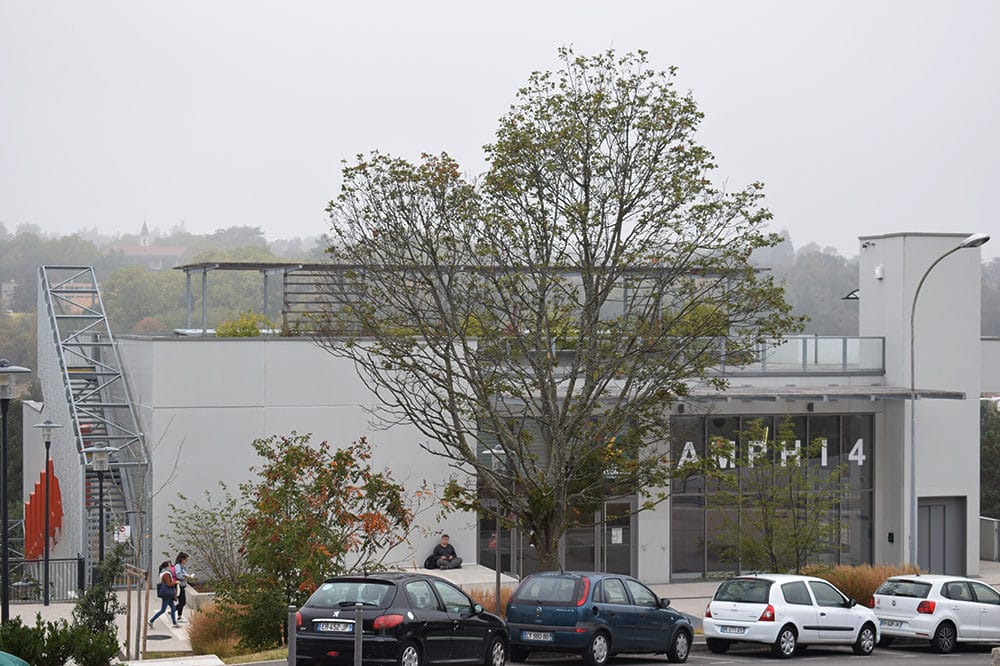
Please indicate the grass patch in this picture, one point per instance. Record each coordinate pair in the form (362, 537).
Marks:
(268, 655)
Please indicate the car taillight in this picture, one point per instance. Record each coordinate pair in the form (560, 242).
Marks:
(708, 609)
(387, 622)
(586, 590)
(298, 619)
(871, 601)
(926, 607)
(767, 615)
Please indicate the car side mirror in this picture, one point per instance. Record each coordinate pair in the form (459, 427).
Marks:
(664, 602)
(477, 609)
(851, 603)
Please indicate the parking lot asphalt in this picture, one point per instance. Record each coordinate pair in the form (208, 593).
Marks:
(688, 597)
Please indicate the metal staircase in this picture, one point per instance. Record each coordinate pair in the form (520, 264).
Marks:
(88, 370)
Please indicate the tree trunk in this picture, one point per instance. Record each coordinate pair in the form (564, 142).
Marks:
(547, 547)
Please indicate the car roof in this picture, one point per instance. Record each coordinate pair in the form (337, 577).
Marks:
(580, 574)
(776, 577)
(382, 576)
(931, 578)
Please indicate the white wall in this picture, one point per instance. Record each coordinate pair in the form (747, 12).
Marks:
(202, 401)
(947, 357)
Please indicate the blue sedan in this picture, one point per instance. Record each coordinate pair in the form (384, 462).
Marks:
(596, 615)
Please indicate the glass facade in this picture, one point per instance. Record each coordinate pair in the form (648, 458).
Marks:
(702, 510)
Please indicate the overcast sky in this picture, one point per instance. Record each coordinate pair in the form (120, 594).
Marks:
(860, 117)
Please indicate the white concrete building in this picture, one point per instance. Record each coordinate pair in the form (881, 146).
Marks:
(202, 400)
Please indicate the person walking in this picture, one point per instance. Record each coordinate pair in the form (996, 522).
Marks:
(181, 574)
(166, 589)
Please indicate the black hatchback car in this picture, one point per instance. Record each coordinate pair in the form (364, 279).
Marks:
(407, 619)
(595, 615)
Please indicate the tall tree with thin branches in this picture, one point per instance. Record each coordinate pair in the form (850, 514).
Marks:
(537, 324)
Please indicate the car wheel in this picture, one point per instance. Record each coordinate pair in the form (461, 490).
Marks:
(518, 653)
(784, 644)
(717, 645)
(599, 650)
(409, 655)
(944, 638)
(681, 648)
(865, 644)
(497, 654)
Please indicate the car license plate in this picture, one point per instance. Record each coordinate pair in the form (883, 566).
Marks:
(892, 624)
(335, 626)
(536, 635)
(724, 629)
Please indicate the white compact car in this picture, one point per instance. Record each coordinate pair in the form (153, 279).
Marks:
(788, 613)
(944, 610)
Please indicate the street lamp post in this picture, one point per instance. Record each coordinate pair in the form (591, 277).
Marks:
(975, 240)
(8, 377)
(100, 460)
(47, 427)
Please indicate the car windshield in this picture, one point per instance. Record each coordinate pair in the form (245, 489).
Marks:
(548, 591)
(347, 593)
(744, 590)
(917, 589)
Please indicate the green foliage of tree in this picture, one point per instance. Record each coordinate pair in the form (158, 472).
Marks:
(989, 463)
(246, 325)
(313, 512)
(21, 256)
(15, 458)
(781, 505)
(99, 605)
(815, 285)
(603, 272)
(135, 293)
(95, 612)
(212, 534)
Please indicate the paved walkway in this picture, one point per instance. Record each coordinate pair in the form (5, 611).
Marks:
(688, 597)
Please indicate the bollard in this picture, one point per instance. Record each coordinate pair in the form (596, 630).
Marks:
(358, 610)
(292, 625)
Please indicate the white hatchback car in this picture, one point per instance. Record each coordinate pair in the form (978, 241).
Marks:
(944, 610)
(788, 613)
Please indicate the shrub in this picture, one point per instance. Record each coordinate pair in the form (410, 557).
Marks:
(256, 613)
(94, 648)
(45, 644)
(22, 640)
(859, 582)
(96, 634)
(209, 633)
(245, 325)
(487, 598)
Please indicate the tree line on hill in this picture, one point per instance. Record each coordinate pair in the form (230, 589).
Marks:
(140, 300)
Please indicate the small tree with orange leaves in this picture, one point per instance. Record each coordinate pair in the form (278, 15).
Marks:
(311, 512)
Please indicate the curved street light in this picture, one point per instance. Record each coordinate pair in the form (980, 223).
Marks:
(975, 240)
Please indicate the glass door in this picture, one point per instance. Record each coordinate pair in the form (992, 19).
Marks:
(616, 542)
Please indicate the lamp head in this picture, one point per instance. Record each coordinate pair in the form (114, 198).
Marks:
(8, 379)
(975, 240)
(100, 457)
(46, 427)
